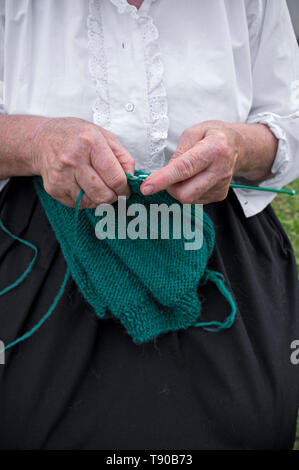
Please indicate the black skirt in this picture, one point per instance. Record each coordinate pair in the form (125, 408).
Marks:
(81, 383)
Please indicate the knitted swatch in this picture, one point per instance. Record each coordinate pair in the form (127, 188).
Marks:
(150, 285)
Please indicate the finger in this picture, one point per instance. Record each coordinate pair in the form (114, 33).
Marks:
(188, 139)
(68, 192)
(66, 200)
(109, 168)
(195, 188)
(216, 193)
(94, 187)
(87, 203)
(181, 168)
(59, 192)
(69, 201)
(123, 156)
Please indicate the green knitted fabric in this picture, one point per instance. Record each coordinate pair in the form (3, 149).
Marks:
(150, 285)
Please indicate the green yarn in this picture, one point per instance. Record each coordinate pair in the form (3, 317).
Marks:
(44, 318)
(21, 279)
(149, 285)
(30, 266)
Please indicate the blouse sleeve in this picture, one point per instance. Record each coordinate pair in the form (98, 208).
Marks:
(2, 23)
(275, 79)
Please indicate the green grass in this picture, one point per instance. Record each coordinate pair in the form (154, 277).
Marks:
(287, 210)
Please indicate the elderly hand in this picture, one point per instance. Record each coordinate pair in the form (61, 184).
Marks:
(208, 155)
(72, 154)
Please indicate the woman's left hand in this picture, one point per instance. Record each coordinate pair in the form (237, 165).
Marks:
(208, 155)
(201, 169)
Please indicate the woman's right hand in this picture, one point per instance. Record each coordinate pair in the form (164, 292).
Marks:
(72, 154)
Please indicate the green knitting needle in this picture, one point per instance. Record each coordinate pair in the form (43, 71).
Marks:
(291, 192)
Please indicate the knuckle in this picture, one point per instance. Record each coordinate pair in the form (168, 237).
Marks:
(66, 160)
(177, 153)
(117, 181)
(101, 197)
(108, 198)
(90, 205)
(221, 195)
(87, 136)
(184, 196)
(184, 167)
(86, 203)
(95, 197)
(222, 146)
(187, 199)
(130, 159)
(125, 159)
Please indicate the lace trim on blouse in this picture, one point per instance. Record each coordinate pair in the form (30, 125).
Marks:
(98, 65)
(157, 98)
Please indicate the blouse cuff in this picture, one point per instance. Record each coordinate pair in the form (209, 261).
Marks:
(253, 202)
(282, 157)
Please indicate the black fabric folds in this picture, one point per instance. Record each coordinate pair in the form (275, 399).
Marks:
(81, 383)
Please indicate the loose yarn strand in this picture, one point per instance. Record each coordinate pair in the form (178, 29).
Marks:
(44, 318)
(31, 264)
(36, 327)
(218, 280)
(28, 270)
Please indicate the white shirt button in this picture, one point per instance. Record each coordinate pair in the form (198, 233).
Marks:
(130, 107)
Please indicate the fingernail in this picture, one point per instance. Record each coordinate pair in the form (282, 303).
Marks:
(148, 189)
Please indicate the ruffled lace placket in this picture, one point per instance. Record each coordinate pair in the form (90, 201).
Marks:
(156, 92)
(98, 65)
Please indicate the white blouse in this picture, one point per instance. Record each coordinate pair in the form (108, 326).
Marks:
(148, 74)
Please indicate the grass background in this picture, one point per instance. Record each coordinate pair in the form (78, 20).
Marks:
(287, 210)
